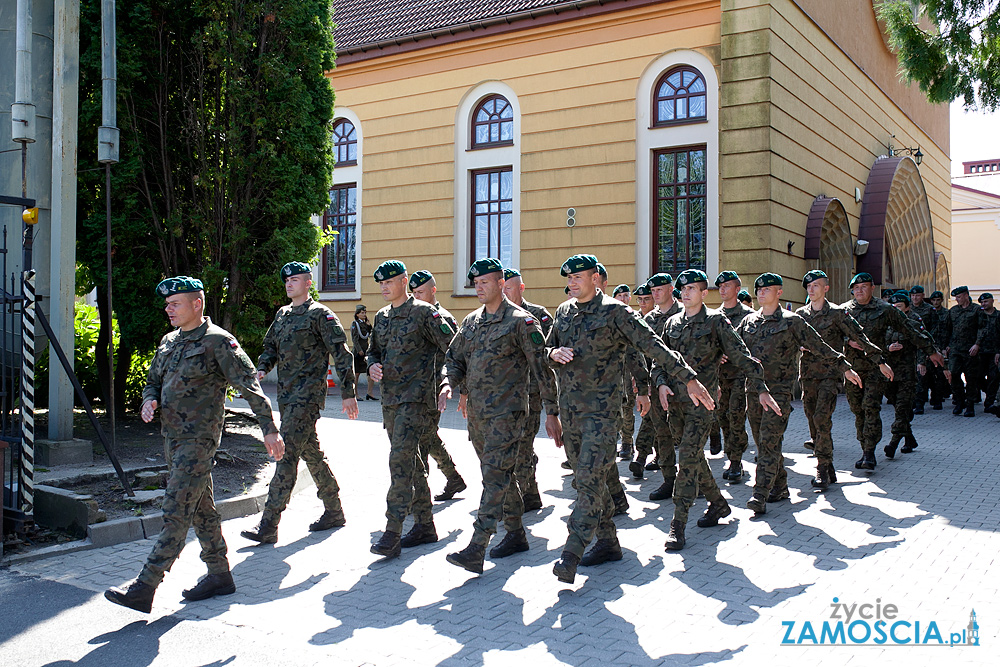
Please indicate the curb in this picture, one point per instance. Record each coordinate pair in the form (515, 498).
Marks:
(134, 528)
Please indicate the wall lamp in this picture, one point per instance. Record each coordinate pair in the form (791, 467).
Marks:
(915, 153)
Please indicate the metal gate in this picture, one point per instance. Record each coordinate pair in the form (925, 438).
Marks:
(10, 393)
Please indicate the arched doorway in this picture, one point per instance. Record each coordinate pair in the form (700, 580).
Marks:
(942, 276)
(896, 222)
(830, 246)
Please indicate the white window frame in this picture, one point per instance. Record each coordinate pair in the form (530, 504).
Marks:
(342, 176)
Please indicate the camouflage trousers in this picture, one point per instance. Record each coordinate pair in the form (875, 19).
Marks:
(497, 441)
(866, 404)
(819, 400)
(664, 439)
(524, 469)
(693, 473)
(963, 393)
(406, 424)
(298, 430)
(188, 502)
(590, 446)
(905, 384)
(732, 416)
(645, 439)
(768, 430)
(431, 445)
(628, 419)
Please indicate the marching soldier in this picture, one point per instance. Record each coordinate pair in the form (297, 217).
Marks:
(989, 347)
(299, 342)
(903, 356)
(925, 311)
(940, 388)
(732, 383)
(406, 337)
(490, 357)
(624, 294)
(187, 381)
(645, 439)
(745, 298)
(963, 328)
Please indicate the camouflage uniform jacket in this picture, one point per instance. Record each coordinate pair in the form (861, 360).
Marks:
(834, 324)
(599, 332)
(929, 317)
(903, 360)
(937, 327)
(544, 319)
(989, 335)
(405, 340)
(736, 314)
(300, 342)
(875, 318)
(189, 376)
(775, 340)
(657, 319)
(963, 327)
(702, 340)
(491, 355)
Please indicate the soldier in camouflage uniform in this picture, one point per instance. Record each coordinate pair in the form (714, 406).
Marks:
(940, 383)
(187, 381)
(406, 337)
(489, 358)
(774, 336)
(989, 347)
(905, 358)
(875, 317)
(645, 439)
(424, 288)
(624, 294)
(702, 337)
(925, 311)
(585, 347)
(732, 383)
(963, 327)
(524, 471)
(821, 380)
(300, 341)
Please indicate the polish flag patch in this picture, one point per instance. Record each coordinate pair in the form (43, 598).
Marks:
(529, 321)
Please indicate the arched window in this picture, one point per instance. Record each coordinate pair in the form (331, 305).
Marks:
(345, 143)
(680, 97)
(493, 123)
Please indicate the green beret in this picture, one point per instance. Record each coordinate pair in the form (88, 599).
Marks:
(961, 289)
(621, 288)
(901, 296)
(692, 276)
(886, 293)
(359, 308)
(419, 278)
(179, 285)
(917, 289)
(389, 269)
(660, 280)
(642, 290)
(815, 274)
(676, 293)
(744, 296)
(985, 295)
(578, 263)
(862, 277)
(768, 280)
(511, 273)
(726, 276)
(294, 269)
(481, 267)
(601, 270)
(936, 295)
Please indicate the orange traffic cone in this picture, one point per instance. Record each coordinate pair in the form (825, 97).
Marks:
(330, 383)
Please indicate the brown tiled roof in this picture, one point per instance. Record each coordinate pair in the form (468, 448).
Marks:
(366, 22)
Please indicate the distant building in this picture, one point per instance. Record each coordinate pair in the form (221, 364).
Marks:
(975, 219)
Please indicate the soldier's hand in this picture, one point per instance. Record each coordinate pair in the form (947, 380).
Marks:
(947, 375)
(554, 428)
(642, 404)
(148, 409)
(463, 405)
(663, 393)
(922, 369)
(937, 360)
(275, 446)
(768, 403)
(375, 372)
(895, 347)
(700, 395)
(886, 371)
(974, 350)
(443, 397)
(350, 408)
(724, 359)
(852, 377)
(260, 375)
(856, 345)
(996, 360)
(562, 355)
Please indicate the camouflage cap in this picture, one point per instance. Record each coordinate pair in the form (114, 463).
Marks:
(642, 290)
(984, 296)
(900, 296)
(511, 273)
(815, 274)
(418, 278)
(677, 293)
(691, 276)
(389, 269)
(936, 295)
(578, 263)
(886, 293)
(961, 289)
(768, 280)
(621, 288)
(863, 277)
(726, 276)
(179, 285)
(294, 269)
(660, 280)
(601, 270)
(744, 296)
(482, 267)
(917, 289)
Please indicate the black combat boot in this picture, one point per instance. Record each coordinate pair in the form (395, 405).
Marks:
(532, 502)
(918, 409)
(565, 568)
(910, 443)
(675, 538)
(330, 519)
(936, 406)
(621, 503)
(471, 558)
(565, 465)
(636, 467)
(809, 444)
(211, 585)
(832, 472)
(625, 453)
(866, 462)
(715, 511)
(993, 410)
(136, 595)
(758, 504)
(734, 472)
(387, 545)
(777, 495)
(514, 542)
(890, 449)
(957, 410)
(603, 551)
(664, 491)
(970, 410)
(822, 479)
(653, 465)
(454, 485)
(421, 533)
(714, 442)
(265, 532)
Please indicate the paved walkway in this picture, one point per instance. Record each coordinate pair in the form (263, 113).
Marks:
(920, 533)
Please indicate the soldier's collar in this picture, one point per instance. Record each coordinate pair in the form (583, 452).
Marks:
(402, 309)
(302, 306)
(697, 317)
(198, 332)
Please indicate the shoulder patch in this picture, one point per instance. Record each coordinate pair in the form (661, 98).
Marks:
(536, 338)
(233, 344)
(529, 321)
(445, 328)
(629, 309)
(435, 314)
(330, 317)
(545, 318)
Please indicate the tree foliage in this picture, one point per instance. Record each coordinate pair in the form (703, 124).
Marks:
(960, 59)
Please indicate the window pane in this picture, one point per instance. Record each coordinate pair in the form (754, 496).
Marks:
(680, 96)
(680, 222)
(493, 122)
(493, 202)
(666, 170)
(696, 106)
(340, 255)
(666, 111)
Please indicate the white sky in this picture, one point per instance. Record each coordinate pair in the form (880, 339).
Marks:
(974, 136)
